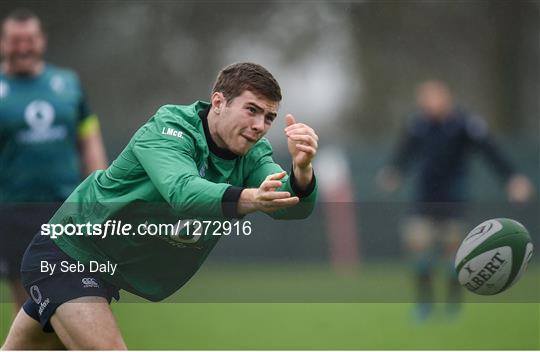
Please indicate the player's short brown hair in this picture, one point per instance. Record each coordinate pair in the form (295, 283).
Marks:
(234, 79)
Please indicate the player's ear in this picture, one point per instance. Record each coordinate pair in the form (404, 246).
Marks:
(218, 102)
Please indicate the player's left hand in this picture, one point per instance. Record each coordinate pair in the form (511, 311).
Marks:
(302, 142)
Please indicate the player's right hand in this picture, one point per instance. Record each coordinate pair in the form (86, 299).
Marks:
(269, 199)
(266, 198)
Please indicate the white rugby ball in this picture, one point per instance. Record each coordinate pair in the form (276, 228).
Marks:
(493, 256)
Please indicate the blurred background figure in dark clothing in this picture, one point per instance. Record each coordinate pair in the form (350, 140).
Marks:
(437, 142)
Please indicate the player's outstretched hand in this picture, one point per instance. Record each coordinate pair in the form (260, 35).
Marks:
(266, 198)
(302, 142)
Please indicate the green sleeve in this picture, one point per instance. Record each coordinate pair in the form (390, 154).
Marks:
(264, 165)
(169, 161)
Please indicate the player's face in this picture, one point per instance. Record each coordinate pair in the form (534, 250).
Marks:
(434, 100)
(244, 120)
(22, 45)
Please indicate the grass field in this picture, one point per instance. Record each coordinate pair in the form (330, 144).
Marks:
(317, 325)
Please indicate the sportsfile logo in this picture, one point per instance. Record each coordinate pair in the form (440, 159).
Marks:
(485, 273)
(89, 282)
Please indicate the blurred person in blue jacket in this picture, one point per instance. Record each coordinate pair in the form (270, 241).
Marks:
(437, 142)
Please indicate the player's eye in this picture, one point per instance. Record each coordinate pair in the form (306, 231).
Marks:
(268, 120)
(252, 109)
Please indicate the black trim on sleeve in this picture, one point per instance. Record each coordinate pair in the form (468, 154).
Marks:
(296, 188)
(229, 202)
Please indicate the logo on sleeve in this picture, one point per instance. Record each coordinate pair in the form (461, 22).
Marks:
(202, 170)
(171, 132)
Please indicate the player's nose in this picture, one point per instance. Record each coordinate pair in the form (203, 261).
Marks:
(258, 123)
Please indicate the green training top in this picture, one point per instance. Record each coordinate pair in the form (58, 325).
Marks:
(40, 120)
(170, 170)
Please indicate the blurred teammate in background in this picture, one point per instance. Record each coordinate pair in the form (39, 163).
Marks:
(439, 140)
(48, 139)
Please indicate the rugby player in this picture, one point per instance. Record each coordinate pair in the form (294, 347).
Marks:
(49, 140)
(207, 160)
